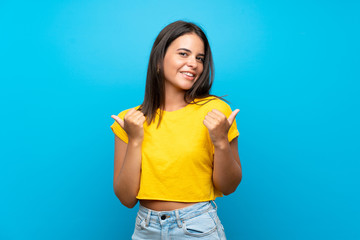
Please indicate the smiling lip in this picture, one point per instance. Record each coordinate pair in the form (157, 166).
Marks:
(193, 73)
(188, 77)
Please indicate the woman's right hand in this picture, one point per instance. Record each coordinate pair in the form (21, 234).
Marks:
(132, 124)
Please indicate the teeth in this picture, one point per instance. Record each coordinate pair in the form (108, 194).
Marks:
(189, 74)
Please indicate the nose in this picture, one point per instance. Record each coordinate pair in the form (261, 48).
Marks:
(192, 62)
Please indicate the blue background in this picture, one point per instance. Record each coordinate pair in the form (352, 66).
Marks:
(292, 68)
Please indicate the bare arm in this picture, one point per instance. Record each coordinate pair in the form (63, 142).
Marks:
(127, 158)
(227, 171)
(127, 168)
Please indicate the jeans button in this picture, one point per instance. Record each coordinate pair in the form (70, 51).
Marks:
(163, 217)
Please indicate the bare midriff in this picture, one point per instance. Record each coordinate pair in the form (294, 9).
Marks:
(158, 205)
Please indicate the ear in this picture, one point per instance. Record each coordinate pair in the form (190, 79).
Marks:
(158, 64)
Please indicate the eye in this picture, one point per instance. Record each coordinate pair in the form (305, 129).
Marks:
(199, 58)
(202, 59)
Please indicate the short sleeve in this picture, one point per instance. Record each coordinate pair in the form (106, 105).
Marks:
(226, 110)
(118, 130)
(233, 131)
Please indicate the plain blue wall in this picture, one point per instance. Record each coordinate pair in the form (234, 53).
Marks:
(291, 67)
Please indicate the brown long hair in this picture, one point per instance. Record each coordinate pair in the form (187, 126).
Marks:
(155, 82)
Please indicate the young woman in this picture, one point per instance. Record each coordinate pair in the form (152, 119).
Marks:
(178, 150)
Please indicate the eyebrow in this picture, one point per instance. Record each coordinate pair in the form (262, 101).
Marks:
(187, 50)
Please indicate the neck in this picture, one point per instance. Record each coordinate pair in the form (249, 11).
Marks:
(174, 99)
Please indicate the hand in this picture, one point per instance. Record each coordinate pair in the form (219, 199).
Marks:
(132, 124)
(218, 125)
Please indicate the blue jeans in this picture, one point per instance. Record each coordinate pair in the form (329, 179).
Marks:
(198, 221)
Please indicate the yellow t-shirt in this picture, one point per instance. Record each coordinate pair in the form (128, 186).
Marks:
(177, 157)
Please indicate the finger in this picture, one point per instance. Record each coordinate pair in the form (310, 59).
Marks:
(210, 118)
(217, 112)
(140, 118)
(130, 112)
(215, 115)
(232, 116)
(132, 115)
(135, 113)
(207, 123)
(138, 113)
(118, 120)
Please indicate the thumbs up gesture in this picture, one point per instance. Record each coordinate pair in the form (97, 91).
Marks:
(132, 124)
(218, 125)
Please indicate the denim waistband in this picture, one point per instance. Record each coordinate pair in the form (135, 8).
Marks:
(176, 215)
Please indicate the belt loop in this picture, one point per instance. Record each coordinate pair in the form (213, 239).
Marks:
(214, 204)
(178, 218)
(148, 218)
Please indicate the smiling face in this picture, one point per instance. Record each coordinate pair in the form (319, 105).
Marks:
(183, 62)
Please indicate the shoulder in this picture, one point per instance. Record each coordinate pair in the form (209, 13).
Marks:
(210, 103)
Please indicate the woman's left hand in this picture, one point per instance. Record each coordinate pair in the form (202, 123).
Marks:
(218, 125)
